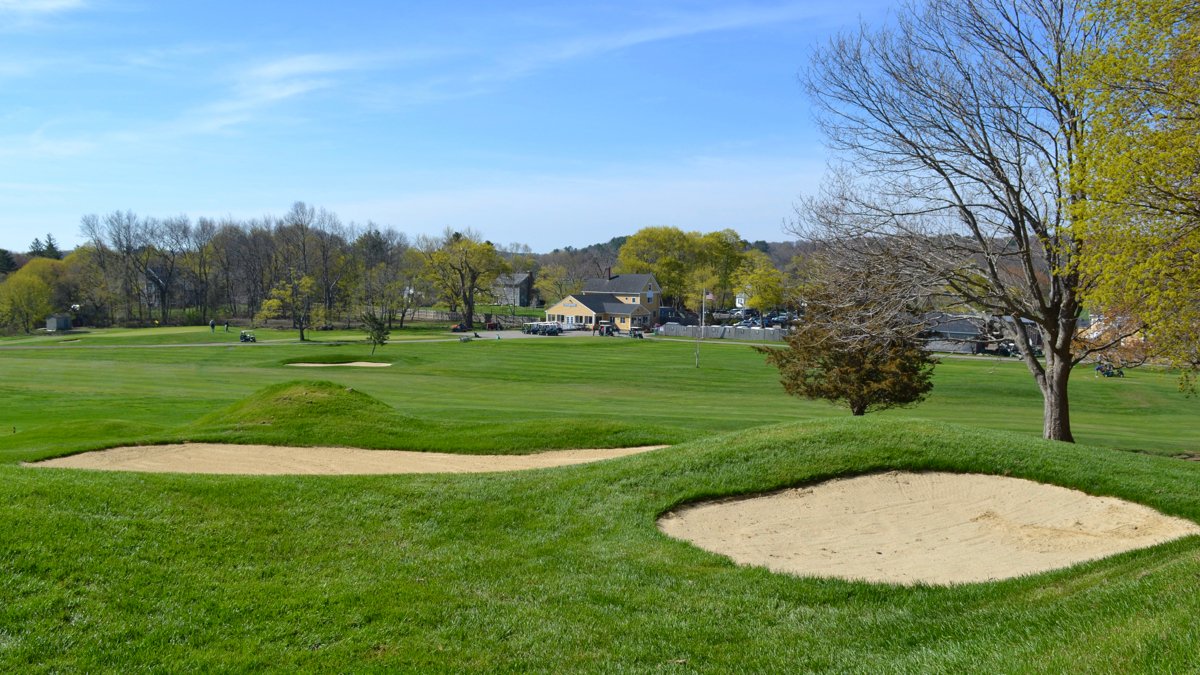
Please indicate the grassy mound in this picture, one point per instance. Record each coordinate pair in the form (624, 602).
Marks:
(301, 412)
(313, 412)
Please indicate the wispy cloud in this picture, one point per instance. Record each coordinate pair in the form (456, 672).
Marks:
(507, 63)
(263, 85)
(39, 6)
(39, 146)
(670, 27)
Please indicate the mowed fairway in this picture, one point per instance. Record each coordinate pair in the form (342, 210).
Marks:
(551, 570)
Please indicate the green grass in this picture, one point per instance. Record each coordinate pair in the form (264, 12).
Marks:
(562, 569)
(546, 570)
(537, 393)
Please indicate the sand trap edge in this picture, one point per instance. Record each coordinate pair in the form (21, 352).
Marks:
(261, 460)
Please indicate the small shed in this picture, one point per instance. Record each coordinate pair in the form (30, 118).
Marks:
(58, 322)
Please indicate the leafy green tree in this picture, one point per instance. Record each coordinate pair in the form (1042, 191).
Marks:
(668, 253)
(555, 282)
(32, 293)
(24, 301)
(719, 256)
(761, 281)
(462, 268)
(1142, 221)
(96, 292)
(295, 297)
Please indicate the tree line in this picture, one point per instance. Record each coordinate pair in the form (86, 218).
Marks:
(308, 268)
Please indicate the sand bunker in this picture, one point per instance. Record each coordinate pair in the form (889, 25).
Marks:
(935, 528)
(276, 460)
(348, 364)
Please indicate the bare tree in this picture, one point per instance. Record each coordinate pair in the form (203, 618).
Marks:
(200, 263)
(331, 264)
(957, 135)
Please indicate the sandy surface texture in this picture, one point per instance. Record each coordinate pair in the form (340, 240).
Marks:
(350, 364)
(935, 528)
(276, 460)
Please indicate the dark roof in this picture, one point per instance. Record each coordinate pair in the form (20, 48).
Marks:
(956, 325)
(594, 301)
(512, 279)
(620, 283)
(623, 308)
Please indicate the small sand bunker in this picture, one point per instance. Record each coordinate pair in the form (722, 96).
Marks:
(935, 528)
(277, 460)
(348, 364)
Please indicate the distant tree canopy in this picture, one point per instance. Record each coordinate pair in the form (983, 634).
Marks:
(7, 263)
(462, 268)
(690, 264)
(30, 294)
(556, 281)
(305, 267)
(49, 249)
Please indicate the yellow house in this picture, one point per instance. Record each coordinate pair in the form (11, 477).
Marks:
(626, 300)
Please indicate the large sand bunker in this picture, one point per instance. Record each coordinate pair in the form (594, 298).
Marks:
(277, 460)
(346, 364)
(936, 528)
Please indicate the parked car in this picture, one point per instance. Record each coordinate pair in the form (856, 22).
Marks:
(781, 319)
(681, 317)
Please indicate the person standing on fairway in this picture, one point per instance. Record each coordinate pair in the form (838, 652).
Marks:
(212, 325)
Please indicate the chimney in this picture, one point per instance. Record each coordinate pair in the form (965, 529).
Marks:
(608, 272)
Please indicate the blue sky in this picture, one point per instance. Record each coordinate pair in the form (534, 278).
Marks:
(543, 123)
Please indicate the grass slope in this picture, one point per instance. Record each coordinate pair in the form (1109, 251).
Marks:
(323, 413)
(561, 569)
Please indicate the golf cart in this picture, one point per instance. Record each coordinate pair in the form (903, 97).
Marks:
(247, 336)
